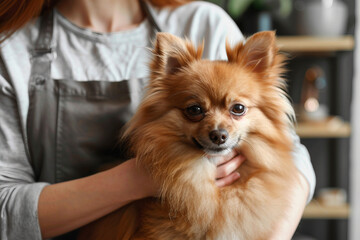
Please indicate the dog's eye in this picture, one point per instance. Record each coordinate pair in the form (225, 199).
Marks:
(194, 113)
(238, 109)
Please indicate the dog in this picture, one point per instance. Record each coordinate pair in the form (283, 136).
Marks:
(195, 108)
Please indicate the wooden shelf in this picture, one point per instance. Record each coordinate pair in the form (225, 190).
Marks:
(315, 210)
(315, 44)
(333, 127)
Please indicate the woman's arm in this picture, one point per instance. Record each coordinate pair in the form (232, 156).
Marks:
(18, 191)
(32, 210)
(66, 206)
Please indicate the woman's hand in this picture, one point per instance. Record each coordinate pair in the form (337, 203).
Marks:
(226, 166)
(225, 173)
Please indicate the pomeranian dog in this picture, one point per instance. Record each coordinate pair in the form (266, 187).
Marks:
(196, 108)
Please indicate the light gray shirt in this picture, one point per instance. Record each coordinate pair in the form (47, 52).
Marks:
(85, 55)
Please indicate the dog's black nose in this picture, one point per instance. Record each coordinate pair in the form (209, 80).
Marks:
(219, 136)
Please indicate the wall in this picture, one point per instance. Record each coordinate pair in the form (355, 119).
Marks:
(354, 226)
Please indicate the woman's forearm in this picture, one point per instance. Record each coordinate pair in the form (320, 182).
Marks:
(69, 205)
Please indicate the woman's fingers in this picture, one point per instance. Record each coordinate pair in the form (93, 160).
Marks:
(223, 159)
(228, 180)
(227, 168)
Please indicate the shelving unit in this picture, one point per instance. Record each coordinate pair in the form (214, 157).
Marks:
(315, 210)
(315, 44)
(331, 128)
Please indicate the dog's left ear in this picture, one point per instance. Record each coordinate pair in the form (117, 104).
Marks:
(257, 53)
(171, 53)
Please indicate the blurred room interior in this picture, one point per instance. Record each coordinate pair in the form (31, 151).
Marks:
(319, 36)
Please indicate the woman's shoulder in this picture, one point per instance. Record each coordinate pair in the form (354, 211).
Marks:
(15, 54)
(24, 37)
(201, 9)
(198, 21)
(21, 42)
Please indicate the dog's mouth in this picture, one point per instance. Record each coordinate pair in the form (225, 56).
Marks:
(213, 149)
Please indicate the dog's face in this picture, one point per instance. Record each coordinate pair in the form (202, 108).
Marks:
(214, 105)
(216, 101)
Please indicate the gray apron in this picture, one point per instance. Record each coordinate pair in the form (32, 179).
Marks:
(73, 127)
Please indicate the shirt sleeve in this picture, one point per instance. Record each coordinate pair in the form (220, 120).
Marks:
(302, 161)
(18, 192)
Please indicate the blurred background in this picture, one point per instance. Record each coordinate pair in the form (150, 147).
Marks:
(319, 37)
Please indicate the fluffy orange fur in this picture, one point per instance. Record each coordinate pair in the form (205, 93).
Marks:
(173, 143)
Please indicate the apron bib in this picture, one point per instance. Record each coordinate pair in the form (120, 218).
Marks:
(73, 127)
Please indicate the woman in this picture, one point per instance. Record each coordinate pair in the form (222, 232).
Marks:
(63, 99)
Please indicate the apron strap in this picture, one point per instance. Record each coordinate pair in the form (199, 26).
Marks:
(150, 14)
(43, 43)
(43, 52)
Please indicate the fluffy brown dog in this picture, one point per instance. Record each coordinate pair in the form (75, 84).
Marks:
(194, 108)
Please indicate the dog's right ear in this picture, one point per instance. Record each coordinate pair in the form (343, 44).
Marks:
(258, 53)
(171, 53)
